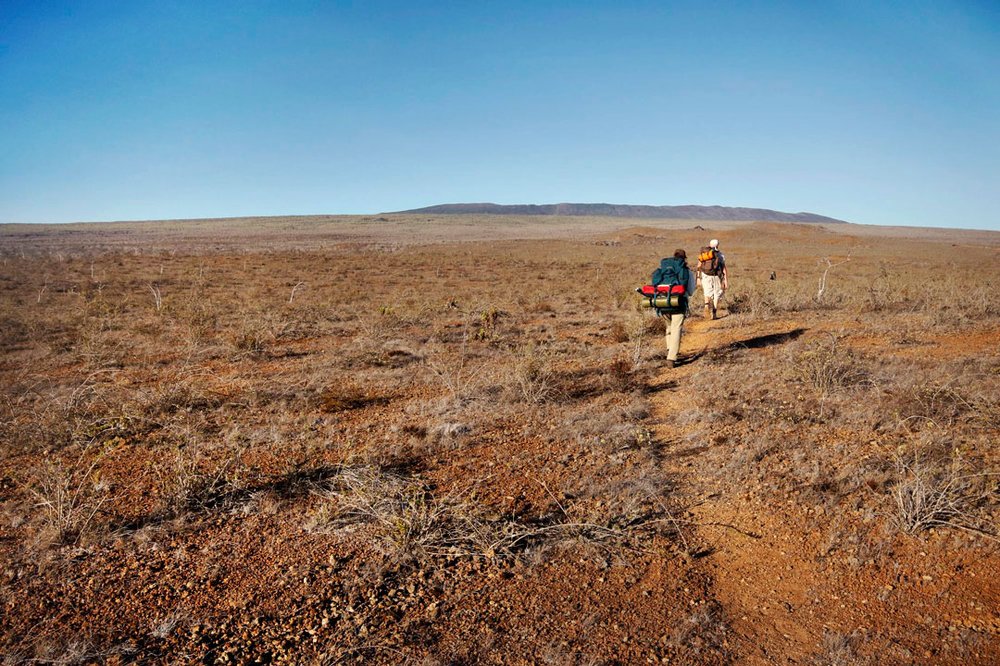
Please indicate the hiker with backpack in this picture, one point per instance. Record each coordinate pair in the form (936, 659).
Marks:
(680, 280)
(713, 276)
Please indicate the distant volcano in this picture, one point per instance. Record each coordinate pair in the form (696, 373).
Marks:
(717, 213)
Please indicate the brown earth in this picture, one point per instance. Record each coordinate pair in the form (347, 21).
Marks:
(345, 440)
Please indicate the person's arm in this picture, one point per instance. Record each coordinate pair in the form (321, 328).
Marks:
(692, 282)
(725, 278)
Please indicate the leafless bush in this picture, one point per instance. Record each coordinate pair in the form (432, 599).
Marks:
(454, 371)
(408, 524)
(621, 375)
(827, 367)
(532, 378)
(154, 289)
(374, 329)
(888, 292)
(623, 436)
(14, 333)
(942, 493)
(440, 423)
(256, 331)
(827, 265)
(751, 302)
(839, 650)
(919, 403)
(750, 450)
(450, 432)
(400, 515)
(618, 332)
(68, 498)
(192, 481)
(164, 626)
(621, 504)
(761, 301)
(609, 426)
(703, 632)
(959, 304)
(67, 651)
(178, 394)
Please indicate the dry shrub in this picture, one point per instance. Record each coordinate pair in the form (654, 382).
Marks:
(255, 332)
(456, 372)
(399, 514)
(408, 524)
(36, 418)
(441, 424)
(172, 395)
(750, 302)
(941, 491)
(959, 395)
(704, 633)
(976, 303)
(958, 304)
(98, 348)
(193, 481)
(68, 650)
(749, 451)
(640, 499)
(68, 499)
(655, 326)
(608, 425)
(618, 332)
(531, 377)
(828, 367)
(14, 334)
(839, 650)
(919, 403)
(890, 292)
(375, 329)
(389, 354)
(624, 436)
(621, 375)
(541, 307)
(201, 319)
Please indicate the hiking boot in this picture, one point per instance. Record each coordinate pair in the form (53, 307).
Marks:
(713, 313)
(708, 312)
(670, 363)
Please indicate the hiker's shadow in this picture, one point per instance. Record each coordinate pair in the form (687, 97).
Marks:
(762, 341)
(756, 342)
(686, 359)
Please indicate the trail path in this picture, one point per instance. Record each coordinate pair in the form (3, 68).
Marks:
(760, 576)
(788, 584)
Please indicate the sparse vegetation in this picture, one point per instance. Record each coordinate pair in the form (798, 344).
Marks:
(213, 453)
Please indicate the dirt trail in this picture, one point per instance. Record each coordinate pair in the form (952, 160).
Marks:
(760, 580)
(782, 598)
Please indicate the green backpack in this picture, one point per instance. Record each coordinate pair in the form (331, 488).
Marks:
(672, 271)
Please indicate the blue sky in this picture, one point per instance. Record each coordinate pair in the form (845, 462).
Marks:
(880, 113)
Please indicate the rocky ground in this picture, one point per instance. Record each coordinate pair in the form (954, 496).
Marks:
(238, 454)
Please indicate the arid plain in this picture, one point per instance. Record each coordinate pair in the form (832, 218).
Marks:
(450, 440)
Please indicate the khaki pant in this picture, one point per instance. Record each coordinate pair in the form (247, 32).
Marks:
(711, 286)
(674, 336)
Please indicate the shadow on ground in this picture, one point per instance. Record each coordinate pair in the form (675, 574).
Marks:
(757, 342)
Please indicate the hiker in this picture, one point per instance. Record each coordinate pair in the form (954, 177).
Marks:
(713, 276)
(674, 271)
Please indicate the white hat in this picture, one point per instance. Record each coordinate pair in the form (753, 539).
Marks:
(714, 242)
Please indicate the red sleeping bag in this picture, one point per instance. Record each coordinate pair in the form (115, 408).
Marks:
(650, 290)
